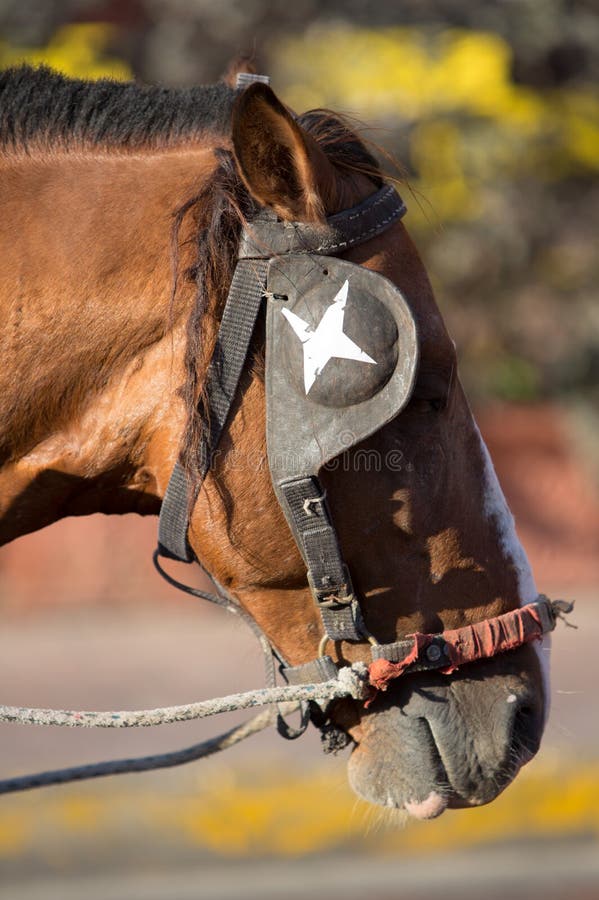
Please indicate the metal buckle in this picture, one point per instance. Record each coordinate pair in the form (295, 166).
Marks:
(333, 596)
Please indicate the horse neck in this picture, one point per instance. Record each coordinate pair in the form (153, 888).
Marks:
(89, 411)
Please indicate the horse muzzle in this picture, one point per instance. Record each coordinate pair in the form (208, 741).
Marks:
(437, 741)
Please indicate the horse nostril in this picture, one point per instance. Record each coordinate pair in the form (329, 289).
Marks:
(526, 732)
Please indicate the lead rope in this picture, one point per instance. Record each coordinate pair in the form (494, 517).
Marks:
(351, 682)
(463, 645)
(140, 763)
(295, 698)
(222, 599)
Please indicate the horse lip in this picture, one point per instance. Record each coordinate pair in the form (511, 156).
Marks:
(429, 808)
(434, 798)
(458, 800)
(450, 778)
(444, 794)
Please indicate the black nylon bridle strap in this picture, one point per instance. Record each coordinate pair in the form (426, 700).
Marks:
(224, 372)
(328, 576)
(262, 240)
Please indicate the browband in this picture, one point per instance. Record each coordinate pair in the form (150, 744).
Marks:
(266, 236)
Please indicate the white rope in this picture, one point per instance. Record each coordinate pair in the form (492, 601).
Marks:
(141, 763)
(352, 681)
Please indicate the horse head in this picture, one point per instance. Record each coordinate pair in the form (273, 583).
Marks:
(422, 522)
(98, 342)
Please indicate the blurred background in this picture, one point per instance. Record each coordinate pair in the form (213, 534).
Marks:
(493, 111)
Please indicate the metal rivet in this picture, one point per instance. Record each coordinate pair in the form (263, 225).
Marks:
(433, 653)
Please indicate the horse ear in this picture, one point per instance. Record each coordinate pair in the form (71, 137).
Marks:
(281, 165)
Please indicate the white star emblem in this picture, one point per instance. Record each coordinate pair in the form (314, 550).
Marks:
(327, 341)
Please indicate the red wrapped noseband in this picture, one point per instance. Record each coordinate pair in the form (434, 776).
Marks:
(450, 649)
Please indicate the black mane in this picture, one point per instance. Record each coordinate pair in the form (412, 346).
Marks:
(41, 107)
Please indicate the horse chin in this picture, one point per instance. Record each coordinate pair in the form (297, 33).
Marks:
(399, 765)
(446, 746)
(396, 765)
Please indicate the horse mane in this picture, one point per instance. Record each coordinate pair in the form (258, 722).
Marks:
(222, 208)
(40, 108)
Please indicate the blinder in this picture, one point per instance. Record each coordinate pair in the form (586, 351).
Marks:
(341, 357)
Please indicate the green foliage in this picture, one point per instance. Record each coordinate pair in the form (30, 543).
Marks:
(512, 378)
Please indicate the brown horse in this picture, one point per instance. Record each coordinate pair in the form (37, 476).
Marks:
(104, 353)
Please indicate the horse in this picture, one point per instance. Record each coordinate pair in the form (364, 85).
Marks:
(122, 213)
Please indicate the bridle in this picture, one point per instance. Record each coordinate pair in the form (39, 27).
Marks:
(293, 269)
(279, 263)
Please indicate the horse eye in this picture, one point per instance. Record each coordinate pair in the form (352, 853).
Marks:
(435, 404)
